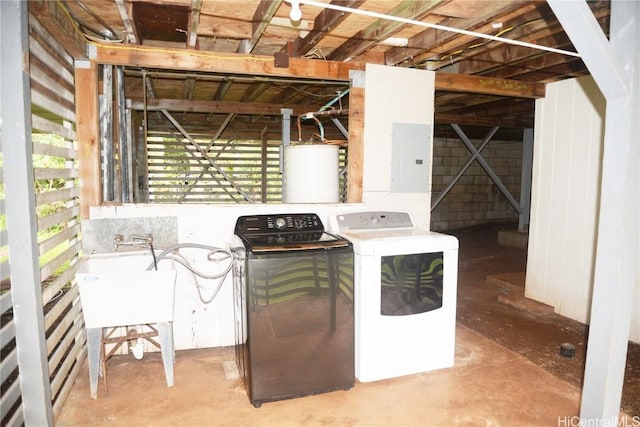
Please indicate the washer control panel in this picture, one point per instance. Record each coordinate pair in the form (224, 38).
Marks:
(294, 222)
(282, 223)
(373, 220)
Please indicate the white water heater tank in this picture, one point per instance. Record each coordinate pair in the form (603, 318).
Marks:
(311, 174)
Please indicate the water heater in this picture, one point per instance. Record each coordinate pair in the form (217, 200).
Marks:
(311, 174)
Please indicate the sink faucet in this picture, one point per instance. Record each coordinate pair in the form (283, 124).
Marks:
(136, 240)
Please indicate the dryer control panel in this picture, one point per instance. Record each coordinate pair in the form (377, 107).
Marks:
(374, 220)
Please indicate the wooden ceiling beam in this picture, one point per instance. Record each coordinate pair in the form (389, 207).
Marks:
(382, 29)
(488, 85)
(192, 36)
(530, 28)
(460, 103)
(521, 60)
(512, 112)
(323, 24)
(515, 26)
(261, 19)
(52, 17)
(211, 62)
(429, 39)
(125, 16)
(255, 90)
(290, 92)
(493, 61)
(536, 65)
(222, 90)
(189, 85)
(494, 108)
(185, 59)
(551, 73)
(441, 118)
(222, 107)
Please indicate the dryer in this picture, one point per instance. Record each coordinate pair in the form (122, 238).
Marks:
(405, 287)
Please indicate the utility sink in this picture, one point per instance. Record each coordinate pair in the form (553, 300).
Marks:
(116, 289)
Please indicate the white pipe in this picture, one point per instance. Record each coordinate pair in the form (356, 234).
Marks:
(435, 26)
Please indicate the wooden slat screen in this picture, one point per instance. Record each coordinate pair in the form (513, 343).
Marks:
(57, 207)
(231, 172)
(179, 173)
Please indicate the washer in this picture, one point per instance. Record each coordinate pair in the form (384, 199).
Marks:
(293, 303)
(405, 294)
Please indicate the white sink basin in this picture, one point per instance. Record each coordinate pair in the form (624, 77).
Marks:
(116, 289)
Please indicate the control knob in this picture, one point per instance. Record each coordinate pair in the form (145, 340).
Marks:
(280, 223)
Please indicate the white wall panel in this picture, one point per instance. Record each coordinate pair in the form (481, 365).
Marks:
(566, 176)
(395, 95)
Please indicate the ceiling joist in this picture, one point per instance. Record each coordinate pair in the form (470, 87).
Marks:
(488, 56)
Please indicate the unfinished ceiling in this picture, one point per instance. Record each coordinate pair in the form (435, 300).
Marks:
(241, 103)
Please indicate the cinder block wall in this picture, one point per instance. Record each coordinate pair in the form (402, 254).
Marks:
(474, 199)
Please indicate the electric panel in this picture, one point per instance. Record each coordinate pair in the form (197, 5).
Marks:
(411, 158)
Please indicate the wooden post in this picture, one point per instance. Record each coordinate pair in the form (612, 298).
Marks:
(86, 76)
(355, 154)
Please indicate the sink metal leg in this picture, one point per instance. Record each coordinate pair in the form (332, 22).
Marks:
(165, 333)
(94, 349)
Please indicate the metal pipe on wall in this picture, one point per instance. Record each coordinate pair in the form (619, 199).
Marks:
(124, 151)
(286, 134)
(106, 132)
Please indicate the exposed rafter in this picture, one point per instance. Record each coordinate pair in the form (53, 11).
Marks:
(192, 37)
(326, 20)
(381, 29)
(516, 46)
(428, 43)
(261, 18)
(126, 21)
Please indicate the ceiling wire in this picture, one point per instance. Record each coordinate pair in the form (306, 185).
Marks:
(434, 26)
(458, 52)
(108, 33)
(107, 36)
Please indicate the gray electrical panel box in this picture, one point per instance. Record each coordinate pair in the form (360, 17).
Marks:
(410, 158)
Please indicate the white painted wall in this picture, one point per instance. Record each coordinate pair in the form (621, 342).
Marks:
(395, 95)
(567, 164)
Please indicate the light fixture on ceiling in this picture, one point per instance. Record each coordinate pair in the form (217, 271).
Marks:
(296, 14)
(395, 41)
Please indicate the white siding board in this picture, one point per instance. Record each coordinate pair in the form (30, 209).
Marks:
(566, 174)
(586, 186)
(537, 266)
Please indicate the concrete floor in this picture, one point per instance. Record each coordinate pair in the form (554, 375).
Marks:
(507, 371)
(491, 302)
